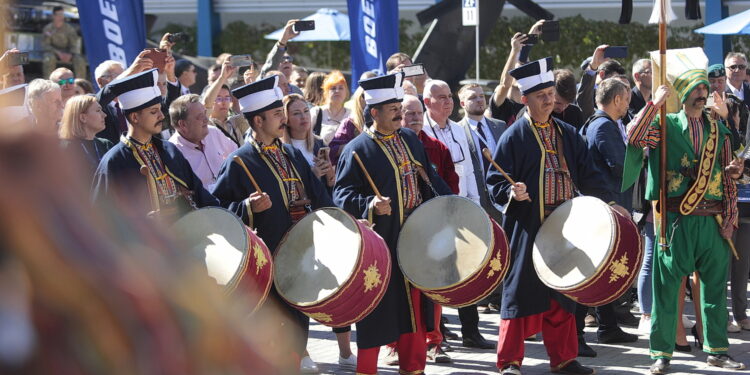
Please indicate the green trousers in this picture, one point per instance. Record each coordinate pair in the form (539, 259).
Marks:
(697, 245)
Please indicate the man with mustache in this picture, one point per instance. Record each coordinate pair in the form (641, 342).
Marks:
(701, 192)
(290, 190)
(399, 167)
(177, 187)
(549, 162)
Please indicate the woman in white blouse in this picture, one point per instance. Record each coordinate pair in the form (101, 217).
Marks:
(327, 118)
(299, 134)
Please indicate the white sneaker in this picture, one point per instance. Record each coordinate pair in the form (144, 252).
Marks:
(744, 324)
(307, 366)
(687, 323)
(350, 363)
(644, 325)
(732, 327)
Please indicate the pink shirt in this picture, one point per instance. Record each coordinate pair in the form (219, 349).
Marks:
(206, 162)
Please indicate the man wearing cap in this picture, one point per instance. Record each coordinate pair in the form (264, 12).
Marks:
(701, 194)
(717, 77)
(290, 190)
(529, 306)
(174, 183)
(399, 167)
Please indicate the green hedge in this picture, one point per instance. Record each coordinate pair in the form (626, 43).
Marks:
(579, 38)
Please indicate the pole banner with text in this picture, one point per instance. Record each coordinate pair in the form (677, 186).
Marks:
(112, 30)
(374, 35)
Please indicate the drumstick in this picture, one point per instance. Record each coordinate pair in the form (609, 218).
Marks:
(239, 161)
(369, 179)
(488, 156)
(152, 194)
(720, 221)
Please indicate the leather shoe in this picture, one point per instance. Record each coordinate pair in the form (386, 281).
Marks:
(447, 333)
(446, 346)
(626, 318)
(584, 350)
(616, 336)
(660, 366)
(435, 353)
(477, 341)
(724, 361)
(575, 368)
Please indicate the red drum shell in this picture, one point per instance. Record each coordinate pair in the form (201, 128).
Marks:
(480, 281)
(216, 234)
(354, 298)
(620, 266)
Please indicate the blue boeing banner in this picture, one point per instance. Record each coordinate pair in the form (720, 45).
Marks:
(112, 30)
(374, 35)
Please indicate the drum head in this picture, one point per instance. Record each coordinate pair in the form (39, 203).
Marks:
(317, 256)
(444, 242)
(574, 242)
(218, 238)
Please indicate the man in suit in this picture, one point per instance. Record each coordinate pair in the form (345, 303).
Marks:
(481, 132)
(641, 93)
(736, 65)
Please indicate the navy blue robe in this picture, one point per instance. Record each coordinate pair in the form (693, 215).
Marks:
(521, 156)
(119, 170)
(394, 315)
(233, 187)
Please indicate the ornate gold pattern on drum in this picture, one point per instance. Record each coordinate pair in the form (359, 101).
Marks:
(372, 277)
(260, 258)
(619, 268)
(587, 251)
(321, 317)
(327, 262)
(452, 251)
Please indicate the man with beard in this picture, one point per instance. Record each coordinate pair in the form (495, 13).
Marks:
(440, 159)
(701, 207)
(482, 132)
(290, 190)
(399, 167)
(177, 188)
(641, 93)
(549, 162)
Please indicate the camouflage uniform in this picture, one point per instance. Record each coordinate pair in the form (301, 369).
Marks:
(63, 39)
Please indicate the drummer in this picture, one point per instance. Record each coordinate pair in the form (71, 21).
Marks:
(533, 141)
(289, 188)
(177, 187)
(398, 165)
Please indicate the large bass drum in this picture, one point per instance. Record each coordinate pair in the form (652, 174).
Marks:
(234, 256)
(453, 251)
(588, 251)
(332, 267)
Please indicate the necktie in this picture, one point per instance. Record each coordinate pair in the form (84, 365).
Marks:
(482, 146)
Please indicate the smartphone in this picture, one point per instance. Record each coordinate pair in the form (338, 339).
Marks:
(241, 60)
(413, 70)
(303, 26)
(616, 52)
(551, 31)
(531, 39)
(15, 59)
(324, 152)
(177, 37)
(710, 101)
(158, 57)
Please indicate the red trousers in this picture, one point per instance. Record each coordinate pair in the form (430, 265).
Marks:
(411, 347)
(434, 336)
(558, 329)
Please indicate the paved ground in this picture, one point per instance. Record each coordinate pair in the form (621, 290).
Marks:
(612, 359)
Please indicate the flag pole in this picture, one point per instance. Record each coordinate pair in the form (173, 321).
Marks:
(663, 126)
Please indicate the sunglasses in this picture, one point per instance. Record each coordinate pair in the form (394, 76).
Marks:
(68, 81)
(287, 59)
(224, 99)
(737, 67)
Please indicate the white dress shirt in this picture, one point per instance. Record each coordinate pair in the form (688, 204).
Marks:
(488, 140)
(206, 162)
(453, 136)
(738, 92)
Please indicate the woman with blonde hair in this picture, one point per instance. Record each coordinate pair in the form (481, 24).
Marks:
(351, 127)
(82, 119)
(298, 133)
(328, 117)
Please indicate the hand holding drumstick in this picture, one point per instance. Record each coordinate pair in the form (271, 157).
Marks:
(517, 189)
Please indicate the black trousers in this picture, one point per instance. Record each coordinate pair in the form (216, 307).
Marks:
(469, 317)
(604, 314)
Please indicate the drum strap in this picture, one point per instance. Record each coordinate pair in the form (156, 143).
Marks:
(561, 158)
